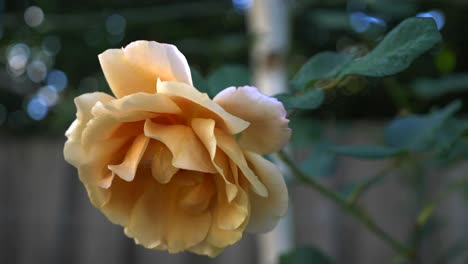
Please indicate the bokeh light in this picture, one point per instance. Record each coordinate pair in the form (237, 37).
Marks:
(17, 57)
(446, 60)
(58, 79)
(437, 15)
(115, 24)
(37, 108)
(36, 71)
(360, 21)
(49, 95)
(33, 16)
(51, 45)
(242, 5)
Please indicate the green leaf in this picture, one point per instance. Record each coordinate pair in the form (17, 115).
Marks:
(227, 76)
(367, 151)
(417, 132)
(305, 255)
(311, 99)
(450, 134)
(322, 65)
(305, 130)
(430, 88)
(199, 82)
(398, 49)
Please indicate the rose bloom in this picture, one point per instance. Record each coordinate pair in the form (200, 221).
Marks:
(178, 170)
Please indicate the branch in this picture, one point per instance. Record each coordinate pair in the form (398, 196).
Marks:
(351, 209)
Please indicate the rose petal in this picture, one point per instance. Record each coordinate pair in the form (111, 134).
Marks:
(161, 162)
(268, 131)
(109, 116)
(157, 221)
(136, 107)
(218, 238)
(230, 216)
(137, 67)
(127, 169)
(187, 150)
(229, 146)
(123, 196)
(204, 129)
(266, 211)
(232, 123)
(98, 196)
(206, 249)
(196, 197)
(72, 150)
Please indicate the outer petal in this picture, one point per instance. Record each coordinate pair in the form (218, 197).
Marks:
(266, 211)
(158, 221)
(137, 67)
(219, 238)
(268, 131)
(109, 117)
(229, 146)
(136, 107)
(84, 103)
(208, 108)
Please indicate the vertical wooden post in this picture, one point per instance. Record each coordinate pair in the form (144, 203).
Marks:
(269, 25)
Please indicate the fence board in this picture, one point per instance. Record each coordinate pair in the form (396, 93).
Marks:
(46, 217)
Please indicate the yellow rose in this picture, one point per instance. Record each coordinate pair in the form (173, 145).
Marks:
(177, 170)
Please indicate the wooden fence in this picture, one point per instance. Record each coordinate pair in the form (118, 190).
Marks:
(45, 215)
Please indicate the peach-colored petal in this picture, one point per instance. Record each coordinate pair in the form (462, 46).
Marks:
(136, 107)
(196, 197)
(109, 116)
(137, 67)
(229, 216)
(127, 169)
(206, 249)
(123, 197)
(221, 162)
(233, 124)
(229, 146)
(98, 196)
(266, 211)
(204, 129)
(161, 163)
(93, 168)
(84, 103)
(218, 238)
(158, 222)
(268, 131)
(187, 150)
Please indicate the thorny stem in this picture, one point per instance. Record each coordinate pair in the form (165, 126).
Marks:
(351, 209)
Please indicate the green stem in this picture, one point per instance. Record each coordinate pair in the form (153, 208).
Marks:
(364, 186)
(352, 209)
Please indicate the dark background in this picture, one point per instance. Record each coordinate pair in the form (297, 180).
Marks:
(211, 34)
